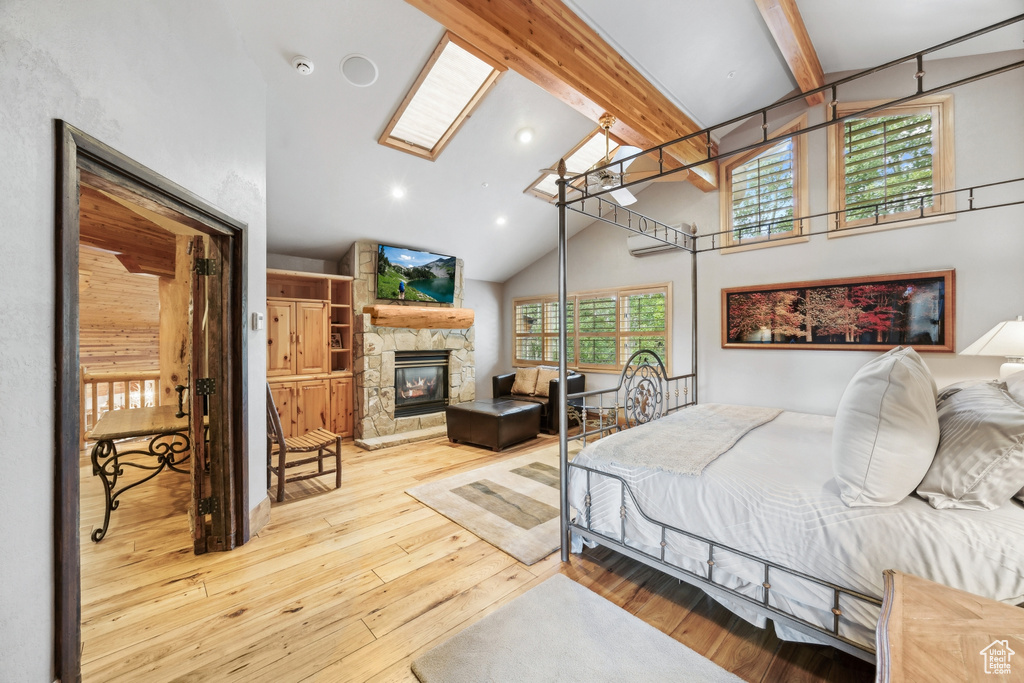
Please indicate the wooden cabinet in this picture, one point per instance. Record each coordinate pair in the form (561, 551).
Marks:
(309, 350)
(280, 338)
(341, 406)
(297, 338)
(313, 405)
(284, 401)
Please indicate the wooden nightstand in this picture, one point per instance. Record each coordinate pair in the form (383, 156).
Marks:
(930, 632)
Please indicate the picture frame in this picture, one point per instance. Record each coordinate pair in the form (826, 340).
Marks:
(336, 340)
(869, 313)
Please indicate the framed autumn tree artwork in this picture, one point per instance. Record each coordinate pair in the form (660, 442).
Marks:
(862, 313)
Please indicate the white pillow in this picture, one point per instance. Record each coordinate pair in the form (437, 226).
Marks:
(886, 430)
(1015, 385)
(979, 464)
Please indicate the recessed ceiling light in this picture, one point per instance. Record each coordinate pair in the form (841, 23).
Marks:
(359, 70)
(501, 220)
(397, 192)
(524, 135)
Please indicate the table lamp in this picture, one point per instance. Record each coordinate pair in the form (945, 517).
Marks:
(1005, 339)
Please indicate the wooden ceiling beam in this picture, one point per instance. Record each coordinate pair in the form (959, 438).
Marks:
(141, 245)
(787, 28)
(544, 41)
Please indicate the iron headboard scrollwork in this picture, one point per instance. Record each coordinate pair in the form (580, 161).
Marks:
(644, 393)
(645, 382)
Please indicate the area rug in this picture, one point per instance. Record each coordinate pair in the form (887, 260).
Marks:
(561, 631)
(512, 504)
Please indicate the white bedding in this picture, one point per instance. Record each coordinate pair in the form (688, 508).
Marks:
(773, 495)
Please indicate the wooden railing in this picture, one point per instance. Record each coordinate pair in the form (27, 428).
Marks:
(104, 391)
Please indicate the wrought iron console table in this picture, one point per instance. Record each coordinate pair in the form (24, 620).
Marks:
(170, 446)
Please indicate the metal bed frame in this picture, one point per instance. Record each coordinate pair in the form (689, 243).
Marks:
(645, 392)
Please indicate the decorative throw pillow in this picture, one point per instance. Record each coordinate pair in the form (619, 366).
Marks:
(980, 461)
(544, 377)
(526, 381)
(1015, 385)
(886, 430)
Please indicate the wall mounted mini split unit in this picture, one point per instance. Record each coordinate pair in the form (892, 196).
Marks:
(658, 240)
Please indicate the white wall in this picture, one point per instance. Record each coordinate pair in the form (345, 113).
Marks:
(485, 298)
(985, 248)
(168, 84)
(303, 265)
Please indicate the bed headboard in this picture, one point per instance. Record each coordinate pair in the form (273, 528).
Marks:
(644, 393)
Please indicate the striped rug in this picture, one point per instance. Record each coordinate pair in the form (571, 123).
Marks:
(512, 504)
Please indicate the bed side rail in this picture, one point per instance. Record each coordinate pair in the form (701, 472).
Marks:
(644, 393)
(706, 580)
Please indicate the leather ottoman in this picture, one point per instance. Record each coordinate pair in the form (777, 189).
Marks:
(496, 423)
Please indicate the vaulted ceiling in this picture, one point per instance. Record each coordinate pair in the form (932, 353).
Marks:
(329, 182)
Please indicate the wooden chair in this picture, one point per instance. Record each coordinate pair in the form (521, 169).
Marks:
(319, 440)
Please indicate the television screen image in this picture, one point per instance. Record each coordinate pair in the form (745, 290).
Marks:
(411, 275)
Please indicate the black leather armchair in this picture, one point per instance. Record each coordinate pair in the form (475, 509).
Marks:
(550, 412)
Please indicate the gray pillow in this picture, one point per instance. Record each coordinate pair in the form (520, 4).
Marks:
(980, 461)
(886, 430)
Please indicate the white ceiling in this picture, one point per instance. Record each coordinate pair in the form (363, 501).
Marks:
(329, 182)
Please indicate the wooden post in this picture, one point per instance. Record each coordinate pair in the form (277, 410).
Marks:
(174, 341)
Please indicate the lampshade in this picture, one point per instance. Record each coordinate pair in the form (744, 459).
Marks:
(1005, 339)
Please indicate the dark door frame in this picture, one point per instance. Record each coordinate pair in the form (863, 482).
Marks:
(78, 153)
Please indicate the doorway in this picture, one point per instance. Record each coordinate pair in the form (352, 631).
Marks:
(213, 390)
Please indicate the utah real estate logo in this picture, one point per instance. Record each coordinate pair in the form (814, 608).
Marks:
(997, 657)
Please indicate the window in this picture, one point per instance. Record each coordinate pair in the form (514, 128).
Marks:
(891, 165)
(604, 328)
(580, 159)
(454, 80)
(762, 192)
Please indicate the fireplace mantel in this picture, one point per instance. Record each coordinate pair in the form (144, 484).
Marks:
(420, 317)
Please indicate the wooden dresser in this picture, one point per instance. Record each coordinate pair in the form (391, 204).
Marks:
(930, 632)
(309, 350)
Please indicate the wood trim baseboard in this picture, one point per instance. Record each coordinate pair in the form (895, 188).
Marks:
(259, 516)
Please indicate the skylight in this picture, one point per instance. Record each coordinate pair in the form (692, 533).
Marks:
(580, 159)
(454, 80)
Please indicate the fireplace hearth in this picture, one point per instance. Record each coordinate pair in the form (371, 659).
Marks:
(421, 382)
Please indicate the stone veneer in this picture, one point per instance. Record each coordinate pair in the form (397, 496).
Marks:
(374, 349)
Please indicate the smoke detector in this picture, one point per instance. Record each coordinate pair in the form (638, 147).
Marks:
(304, 65)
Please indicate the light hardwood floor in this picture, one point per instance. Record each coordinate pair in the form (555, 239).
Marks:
(353, 584)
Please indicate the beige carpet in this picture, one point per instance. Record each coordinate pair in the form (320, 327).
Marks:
(512, 504)
(561, 631)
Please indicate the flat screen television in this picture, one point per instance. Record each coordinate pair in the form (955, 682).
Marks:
(413, 275)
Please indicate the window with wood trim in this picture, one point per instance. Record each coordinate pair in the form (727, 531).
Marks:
(891, 165)
(453, 82)
(604, 328)
(764, 191)
(580, 159)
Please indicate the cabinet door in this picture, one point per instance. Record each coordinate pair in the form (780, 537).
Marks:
(313, 406)
(284, 400)
(280, 338)
(341, 406)
(311, 344)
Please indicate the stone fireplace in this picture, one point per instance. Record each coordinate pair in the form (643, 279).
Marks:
(376, 350)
